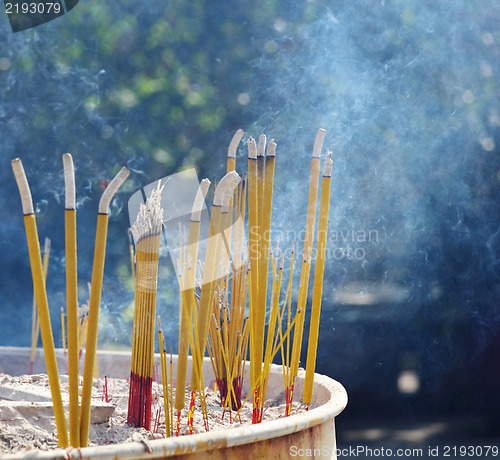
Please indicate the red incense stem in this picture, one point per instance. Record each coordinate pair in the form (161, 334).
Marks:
(178, 429)
(191, 412)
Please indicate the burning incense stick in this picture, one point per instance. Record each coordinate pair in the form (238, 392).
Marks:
(231, 151)
(189, 284)
(253, 257)
(318, 280)
(41, 300)
(71, 298)
(308, 243)
(35, 326)
(95, 301)
(147, 232)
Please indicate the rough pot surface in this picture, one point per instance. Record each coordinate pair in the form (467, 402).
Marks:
(311, 433)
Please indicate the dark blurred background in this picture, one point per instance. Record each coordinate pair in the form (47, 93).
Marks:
(409, 95)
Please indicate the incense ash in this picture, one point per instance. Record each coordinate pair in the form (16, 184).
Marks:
(30, 425)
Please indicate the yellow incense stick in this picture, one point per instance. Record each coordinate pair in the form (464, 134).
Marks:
(318, 280)
(231, 151)
(253, 257)
(41, 300)
(95, 301)
(308, 242)
(71, 298)
(186, 313)
(63, 331)
(35, 328)
(265, 226)
(164, 379)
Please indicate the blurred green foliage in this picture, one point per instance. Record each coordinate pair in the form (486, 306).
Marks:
(158, 86)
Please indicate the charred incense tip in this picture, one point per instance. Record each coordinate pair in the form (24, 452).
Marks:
(111, 189)
(24, 188)
(271, 148)
(225, 188)
(252, 149)
(261, 147)
(327, 167)
(318, 143)
(200, 200)
(235, 141)
(69, 181)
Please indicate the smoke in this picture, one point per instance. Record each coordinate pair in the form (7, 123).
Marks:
(407, 93)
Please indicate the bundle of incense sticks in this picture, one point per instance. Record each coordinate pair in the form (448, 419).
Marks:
(78, 423)
(146, 232)
(226, 284)
(261, 162)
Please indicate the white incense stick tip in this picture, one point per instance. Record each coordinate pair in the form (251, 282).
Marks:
(271, 148)
(261, 147)
(235, 141)
(69, 181)
(199, 200)
(23, 186)
(252, 148)
(149, 220)
(225, 188)
(318, 143)
(111, 189)
(327, 167)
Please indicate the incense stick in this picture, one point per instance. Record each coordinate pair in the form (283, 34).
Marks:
(95, 301)
(318, 280)
(63, 332)
(253, 257)
(189, 277)
(306, 259)
(164, 380)
(231, 151)
(35, 327)
(41, 300)
(71, 298)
